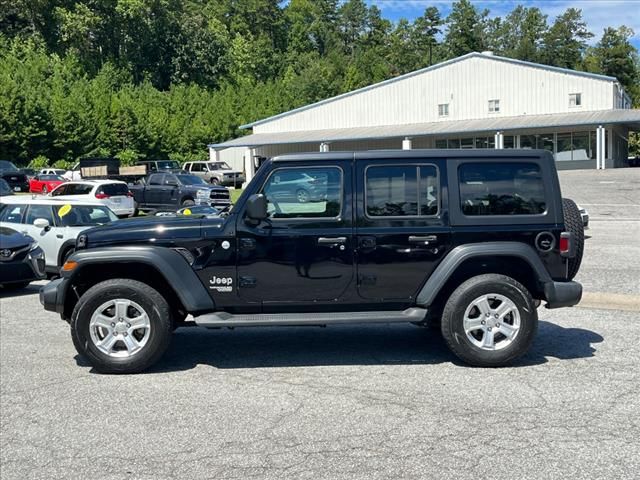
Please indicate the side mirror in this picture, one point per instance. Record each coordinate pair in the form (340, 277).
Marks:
(257, 207)
(41, 223)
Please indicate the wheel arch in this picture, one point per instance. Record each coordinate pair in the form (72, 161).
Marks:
(516, 260)
(64, 248)
(158, 267)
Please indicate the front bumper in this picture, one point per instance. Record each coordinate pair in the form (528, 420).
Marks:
(562, 294)
(31, 267)
(53, 294)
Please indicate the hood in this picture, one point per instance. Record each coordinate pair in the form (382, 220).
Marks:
(10, 238)
(151, 229)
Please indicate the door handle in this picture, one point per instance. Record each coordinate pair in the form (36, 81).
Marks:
(59, 235)
(332, 240)
(425, 239)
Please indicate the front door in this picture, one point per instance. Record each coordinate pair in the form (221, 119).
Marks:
(304, 250)
(49, 239)
(402, 227)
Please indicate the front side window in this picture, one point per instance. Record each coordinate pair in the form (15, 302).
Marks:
(39, 211)
(443, 110)
(401, 191)
(310, 192)
(494, 106)
(575, 99)
(501, 189)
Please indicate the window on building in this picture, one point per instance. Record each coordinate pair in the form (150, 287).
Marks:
(501, 189)
(494, 106)
(402, 191)
(575, 99)
(509, 141)
(466, 142)
(443, 110)
(310, 192)
(441, 143)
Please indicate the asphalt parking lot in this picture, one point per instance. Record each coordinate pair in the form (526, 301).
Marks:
(385, 401)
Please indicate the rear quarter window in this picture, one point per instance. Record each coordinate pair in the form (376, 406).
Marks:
(114, 189)
(501, 188)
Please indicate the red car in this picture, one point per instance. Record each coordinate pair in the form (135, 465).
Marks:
(45, 183)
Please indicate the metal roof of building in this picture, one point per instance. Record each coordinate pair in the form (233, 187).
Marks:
(491, 56)
(492, 125)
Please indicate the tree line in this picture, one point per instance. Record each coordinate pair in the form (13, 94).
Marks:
(162, 78)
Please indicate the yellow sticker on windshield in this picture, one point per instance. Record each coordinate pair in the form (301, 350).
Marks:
(64, 210)
(186, 211)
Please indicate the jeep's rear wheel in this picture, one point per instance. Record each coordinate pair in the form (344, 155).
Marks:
(489, 320)
(121, 326)
(573, 223)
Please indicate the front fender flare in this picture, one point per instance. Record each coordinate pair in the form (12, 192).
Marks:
(169, 263)
(460, 254)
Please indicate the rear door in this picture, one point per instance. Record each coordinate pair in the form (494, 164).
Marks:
(402, 226)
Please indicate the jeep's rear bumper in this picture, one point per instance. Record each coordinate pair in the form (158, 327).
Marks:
(562, 294)
(52, 295)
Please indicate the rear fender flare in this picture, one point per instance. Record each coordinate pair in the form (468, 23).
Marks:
(460, 254)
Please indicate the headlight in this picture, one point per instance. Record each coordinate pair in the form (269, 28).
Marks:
(202, 194)
(81, 241)
(34, 245)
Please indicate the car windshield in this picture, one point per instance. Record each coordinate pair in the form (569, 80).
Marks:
(83, 215)
(219, 166)
(51, 178)
(190, 180)
(168, 164)
(7, 166)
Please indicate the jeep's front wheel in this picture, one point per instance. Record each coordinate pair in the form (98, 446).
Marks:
(489, 320)
(121, 326)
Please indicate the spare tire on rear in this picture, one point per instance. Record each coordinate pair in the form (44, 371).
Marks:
(573, 224)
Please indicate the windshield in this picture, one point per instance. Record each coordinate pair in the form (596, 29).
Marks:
(191, 180)
(51, 178)
(83, 215)
(168, 164)
(8, 166)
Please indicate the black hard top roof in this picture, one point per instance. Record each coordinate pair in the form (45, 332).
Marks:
(486, 154)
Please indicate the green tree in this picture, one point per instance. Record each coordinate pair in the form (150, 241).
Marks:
(425, 29)
(522, 33)
(566, 41)
(464, 29)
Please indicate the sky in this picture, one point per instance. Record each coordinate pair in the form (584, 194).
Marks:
(597, 13)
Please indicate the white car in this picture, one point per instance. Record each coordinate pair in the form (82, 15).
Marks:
(51, 171)
(53, 224)
(112, 193)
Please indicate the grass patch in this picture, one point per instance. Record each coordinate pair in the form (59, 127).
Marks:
(235, 194)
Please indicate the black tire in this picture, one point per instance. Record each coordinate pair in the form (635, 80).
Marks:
(45, 189)
(148, 298)
(452, 324)
(188, 203)
(573, 224)
(15, 286)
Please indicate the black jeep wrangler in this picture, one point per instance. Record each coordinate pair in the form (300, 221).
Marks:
(472, 241)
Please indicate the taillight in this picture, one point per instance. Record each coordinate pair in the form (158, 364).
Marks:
(101, 196)
(565, 244)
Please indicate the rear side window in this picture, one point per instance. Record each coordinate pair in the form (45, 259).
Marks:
(501, 189)
(114, 189)
(402, 191)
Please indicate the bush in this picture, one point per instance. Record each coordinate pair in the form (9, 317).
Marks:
(39, 162)
(63, 164)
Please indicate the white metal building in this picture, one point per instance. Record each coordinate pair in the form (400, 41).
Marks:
(475, 101)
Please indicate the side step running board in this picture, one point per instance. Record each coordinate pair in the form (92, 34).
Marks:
(223, 319)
